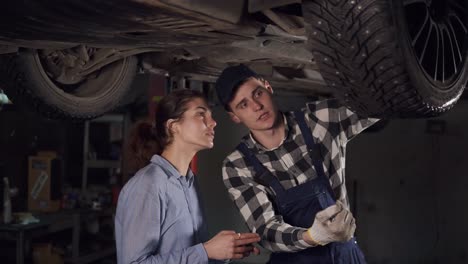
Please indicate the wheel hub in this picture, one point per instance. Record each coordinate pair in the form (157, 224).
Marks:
(63, 66)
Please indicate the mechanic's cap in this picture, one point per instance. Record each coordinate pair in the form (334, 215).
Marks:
(229, 81)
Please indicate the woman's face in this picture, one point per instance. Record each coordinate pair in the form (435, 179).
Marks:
(196, 127)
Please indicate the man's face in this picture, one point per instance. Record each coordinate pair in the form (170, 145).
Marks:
(253, 105)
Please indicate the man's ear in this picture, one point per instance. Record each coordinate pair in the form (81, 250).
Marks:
(234, 118)
(268, 86)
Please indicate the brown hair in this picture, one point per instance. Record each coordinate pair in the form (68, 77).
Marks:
(147, 139)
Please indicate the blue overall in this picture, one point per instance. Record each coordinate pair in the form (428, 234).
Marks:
(299, 205)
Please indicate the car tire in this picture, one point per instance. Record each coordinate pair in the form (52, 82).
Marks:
(27, 83)
(391, 58)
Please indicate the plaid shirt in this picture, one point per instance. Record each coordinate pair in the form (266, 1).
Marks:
(332, 126)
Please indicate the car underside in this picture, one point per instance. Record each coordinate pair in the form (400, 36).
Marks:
(76, 59)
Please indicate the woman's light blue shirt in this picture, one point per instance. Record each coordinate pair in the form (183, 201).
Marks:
(159, 217)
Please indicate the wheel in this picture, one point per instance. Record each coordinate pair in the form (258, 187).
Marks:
(395, 58)
(53, 84)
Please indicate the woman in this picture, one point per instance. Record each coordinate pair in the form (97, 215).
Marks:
(159, 217)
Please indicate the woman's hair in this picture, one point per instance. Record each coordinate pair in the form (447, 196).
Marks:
(147, 139)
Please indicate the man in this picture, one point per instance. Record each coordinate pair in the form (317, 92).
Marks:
(287, 175)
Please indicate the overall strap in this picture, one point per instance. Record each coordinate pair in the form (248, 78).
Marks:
(313, 148)
(261, 173)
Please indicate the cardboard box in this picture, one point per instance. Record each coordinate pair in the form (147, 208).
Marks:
(46, 254)
(44, 177)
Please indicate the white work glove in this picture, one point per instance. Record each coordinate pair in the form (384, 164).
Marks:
(333, 224)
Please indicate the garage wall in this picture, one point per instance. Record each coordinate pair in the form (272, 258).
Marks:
(412, 190)
(23, 134)
(407, 184)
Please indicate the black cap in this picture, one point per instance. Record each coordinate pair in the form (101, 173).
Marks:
(229, 81)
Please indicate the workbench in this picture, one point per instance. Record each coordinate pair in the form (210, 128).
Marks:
(51, 223)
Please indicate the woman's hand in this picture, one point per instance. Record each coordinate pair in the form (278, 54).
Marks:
(231, 245)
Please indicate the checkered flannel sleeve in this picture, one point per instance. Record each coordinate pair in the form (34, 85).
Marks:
(334, 125)
(252, 200)
(330, 112)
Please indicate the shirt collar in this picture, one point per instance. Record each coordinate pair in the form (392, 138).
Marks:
(250, 141)
(171, 171)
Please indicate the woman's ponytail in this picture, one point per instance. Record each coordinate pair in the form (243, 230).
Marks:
(142, 145)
